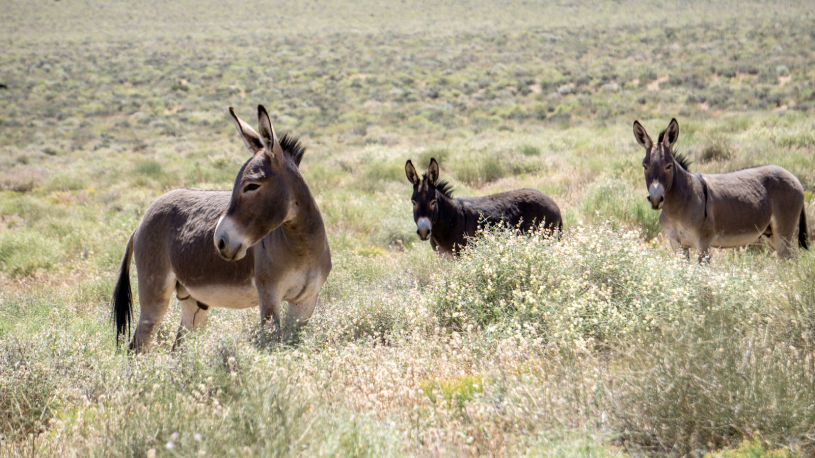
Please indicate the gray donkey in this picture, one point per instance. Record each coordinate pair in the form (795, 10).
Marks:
(262, 243)
(723, 210)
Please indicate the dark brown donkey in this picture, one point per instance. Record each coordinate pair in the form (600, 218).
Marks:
(448, 222)
(724, 210)
(262, 243)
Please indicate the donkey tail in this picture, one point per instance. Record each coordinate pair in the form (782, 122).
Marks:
(122, 301)
(803, 233)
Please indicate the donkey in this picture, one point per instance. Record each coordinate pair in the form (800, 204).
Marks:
(262, 243)
(448, 222)
(723, 210)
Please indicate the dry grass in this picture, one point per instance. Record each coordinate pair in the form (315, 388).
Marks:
(599, 344)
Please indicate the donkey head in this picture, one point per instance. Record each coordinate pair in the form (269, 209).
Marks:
(262, 198)
(425, 210)
(659, 162)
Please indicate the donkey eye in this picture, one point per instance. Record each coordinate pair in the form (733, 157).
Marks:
(645, 166)
(433, 203)
(668, 167)
(251, 187)
(414, 202)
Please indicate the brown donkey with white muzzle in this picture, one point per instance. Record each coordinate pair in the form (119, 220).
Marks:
(262, 243)
(723, 210)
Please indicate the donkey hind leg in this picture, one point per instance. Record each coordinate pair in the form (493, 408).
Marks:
(154, 298)
(782, 239)
(193, 315)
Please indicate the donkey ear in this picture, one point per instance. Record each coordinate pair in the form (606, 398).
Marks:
(433, 172)
(249, 136)
(671, 133)
(267, 134)
(642, 136)
(410, 171)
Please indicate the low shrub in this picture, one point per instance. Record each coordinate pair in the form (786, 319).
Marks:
(715, 149)
(26, 391)
(593, 282)
(480, 170)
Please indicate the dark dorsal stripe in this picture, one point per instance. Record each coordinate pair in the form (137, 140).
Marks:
(704, 189)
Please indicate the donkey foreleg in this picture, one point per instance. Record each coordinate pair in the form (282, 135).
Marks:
(703, 250)
(302, 311)
(678, 248)
(270, 308)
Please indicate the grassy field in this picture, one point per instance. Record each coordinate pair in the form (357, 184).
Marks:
(602, 344)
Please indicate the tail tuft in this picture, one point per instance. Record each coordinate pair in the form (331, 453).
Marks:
(803, 233)
(122, 300)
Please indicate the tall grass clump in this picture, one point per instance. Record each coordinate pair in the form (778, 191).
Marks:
(616, 199)
(24, 251)
(480, 170)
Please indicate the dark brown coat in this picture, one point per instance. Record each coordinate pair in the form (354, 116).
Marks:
(448, 222)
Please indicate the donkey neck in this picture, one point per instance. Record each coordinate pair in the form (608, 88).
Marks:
(682, 197)
(304, 225)
(449, 212)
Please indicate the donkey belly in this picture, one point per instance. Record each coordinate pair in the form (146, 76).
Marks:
(734, 240)
(230, 296)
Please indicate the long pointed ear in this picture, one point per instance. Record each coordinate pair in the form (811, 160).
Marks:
(671, 134)
(249, 136)
(642, 136)
(433, 172)
(267, 134)
(410, 171)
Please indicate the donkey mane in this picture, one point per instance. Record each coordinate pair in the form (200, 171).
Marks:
(442, 186)
(683, 161)
(293, 147)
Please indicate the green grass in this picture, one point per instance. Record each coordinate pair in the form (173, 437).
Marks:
(600, 344)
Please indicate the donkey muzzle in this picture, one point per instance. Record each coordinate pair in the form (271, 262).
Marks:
(228, 242)
(656, 196)
(423, 227)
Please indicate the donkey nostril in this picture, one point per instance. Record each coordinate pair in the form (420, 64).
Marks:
(221, 244)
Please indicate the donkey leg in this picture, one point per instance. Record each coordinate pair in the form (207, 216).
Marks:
(154, 298)
(703, 250)
(679, 249)
(193, 316)
(782, 245)
(269, 308)
(303, 310)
